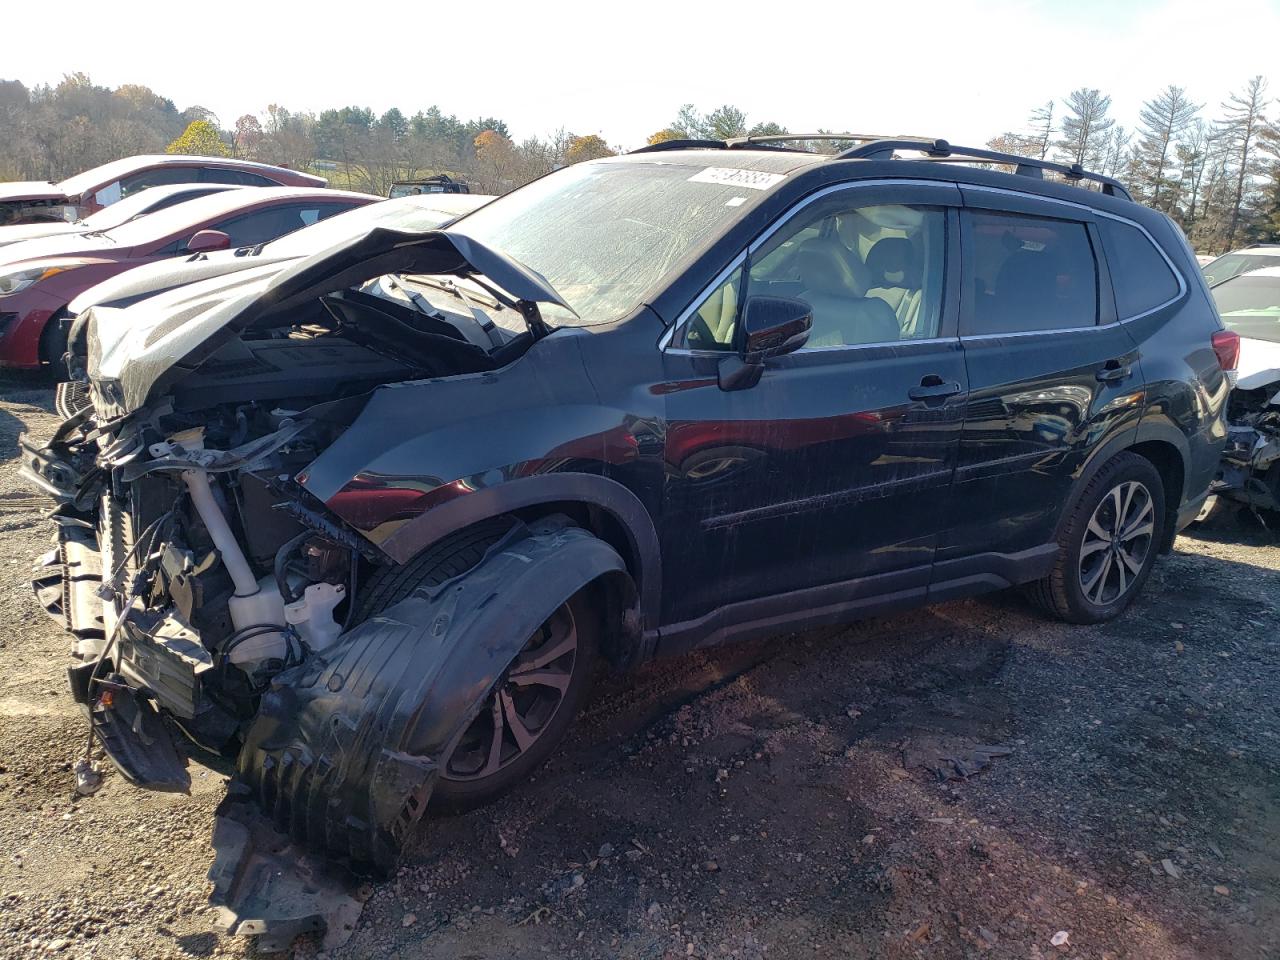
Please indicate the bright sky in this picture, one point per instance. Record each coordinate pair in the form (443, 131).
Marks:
(963, 69)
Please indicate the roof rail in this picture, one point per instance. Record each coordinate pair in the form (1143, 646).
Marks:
(765, 139)
(942, 151)
(681, 145)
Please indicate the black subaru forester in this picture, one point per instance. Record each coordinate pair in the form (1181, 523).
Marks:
(368, 520)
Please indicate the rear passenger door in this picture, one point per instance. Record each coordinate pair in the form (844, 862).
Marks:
(1051, 374)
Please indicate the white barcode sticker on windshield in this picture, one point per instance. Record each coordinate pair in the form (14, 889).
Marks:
(752, 179)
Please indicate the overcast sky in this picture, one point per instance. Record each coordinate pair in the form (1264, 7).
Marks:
(963, 70)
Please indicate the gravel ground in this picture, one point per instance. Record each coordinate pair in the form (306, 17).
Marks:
(966, 780)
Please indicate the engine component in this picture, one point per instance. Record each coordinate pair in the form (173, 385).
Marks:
(163, 655)
(313, 614)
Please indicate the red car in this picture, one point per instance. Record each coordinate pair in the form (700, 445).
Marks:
(38, 278)
(85, 193)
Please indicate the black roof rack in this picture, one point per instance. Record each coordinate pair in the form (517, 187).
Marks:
(943, 152)
(682, 145)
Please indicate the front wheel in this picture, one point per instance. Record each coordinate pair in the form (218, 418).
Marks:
(1107, 545)
(527, 711)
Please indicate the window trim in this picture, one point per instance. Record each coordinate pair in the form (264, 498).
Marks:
(1101, 276)
(1093, 212)
(950, 297)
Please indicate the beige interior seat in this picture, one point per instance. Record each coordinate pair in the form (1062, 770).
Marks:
(895, 279)
(842, 315)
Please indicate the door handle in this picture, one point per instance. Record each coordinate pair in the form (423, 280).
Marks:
(933, 387)
(1113, 371)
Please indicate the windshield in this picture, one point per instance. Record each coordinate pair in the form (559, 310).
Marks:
(410, 214)
(1233, 264)
(604, 235)
(1250, 305)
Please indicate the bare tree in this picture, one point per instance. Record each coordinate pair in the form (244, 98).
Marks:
(1162, 121)
(1085, 127)
(1042, 129)
(1243, 120)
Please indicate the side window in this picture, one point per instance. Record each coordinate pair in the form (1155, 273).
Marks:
(263, 225)
(1140, 276)
(872, 274)
(240, 178)
(155, 177)
(176, 198)
(1029, 274)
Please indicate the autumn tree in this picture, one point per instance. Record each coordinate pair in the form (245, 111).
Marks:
(664, 135)
(248, 135)
(590, 147)
(200, 139)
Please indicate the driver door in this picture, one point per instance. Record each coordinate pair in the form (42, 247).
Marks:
(822, 485)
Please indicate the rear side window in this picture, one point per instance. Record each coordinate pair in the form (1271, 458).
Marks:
(238, 177)
(1140, 276)
(1028, 274)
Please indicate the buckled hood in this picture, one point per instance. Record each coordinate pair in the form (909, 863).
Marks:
(135, 353)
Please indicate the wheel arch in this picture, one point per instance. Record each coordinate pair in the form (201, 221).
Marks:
(603, 506)
(1163, 446)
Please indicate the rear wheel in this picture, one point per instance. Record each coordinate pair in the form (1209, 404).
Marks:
(1108, 544)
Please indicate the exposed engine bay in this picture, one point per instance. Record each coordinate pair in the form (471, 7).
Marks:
(201, 568)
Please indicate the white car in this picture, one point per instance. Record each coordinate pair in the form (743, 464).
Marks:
(1249, 304)
(1244, 260)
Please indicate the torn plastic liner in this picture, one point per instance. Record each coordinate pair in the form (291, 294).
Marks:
(342, 756)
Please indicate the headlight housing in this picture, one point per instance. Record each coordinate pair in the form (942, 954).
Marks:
(19, 280)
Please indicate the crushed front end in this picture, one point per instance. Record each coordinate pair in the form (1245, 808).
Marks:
(1250, 468)
(186, 573)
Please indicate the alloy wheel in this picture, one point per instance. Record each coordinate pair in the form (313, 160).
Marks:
(1117, 542)
(522, 703)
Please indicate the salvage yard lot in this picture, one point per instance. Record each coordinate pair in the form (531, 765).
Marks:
(802, 797)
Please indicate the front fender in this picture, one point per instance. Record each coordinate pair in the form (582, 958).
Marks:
(345, 750)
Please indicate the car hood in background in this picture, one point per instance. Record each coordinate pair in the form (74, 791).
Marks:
(30, 190)
(34, 231)
(70, 245)
(135, 353)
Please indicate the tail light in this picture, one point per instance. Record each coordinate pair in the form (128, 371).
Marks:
(1226, 344)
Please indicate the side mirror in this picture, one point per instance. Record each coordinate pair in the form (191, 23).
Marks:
(774, 326)
(771, 327)
(206, 241)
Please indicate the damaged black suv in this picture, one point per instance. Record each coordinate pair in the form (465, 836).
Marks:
(369, 521)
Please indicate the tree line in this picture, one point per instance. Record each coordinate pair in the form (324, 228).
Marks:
(1214, 170)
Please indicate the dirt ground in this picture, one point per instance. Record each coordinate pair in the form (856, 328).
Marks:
(969, 780)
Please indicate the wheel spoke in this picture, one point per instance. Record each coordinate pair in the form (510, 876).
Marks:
(1116, 512)
(1133, 533)
(494, 760)
(1096, 529)
(1093, 546)
(1099, 580)
(1124, 580)
(542, 678)
(524, 739)
(1134, 566)
(548, 652)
